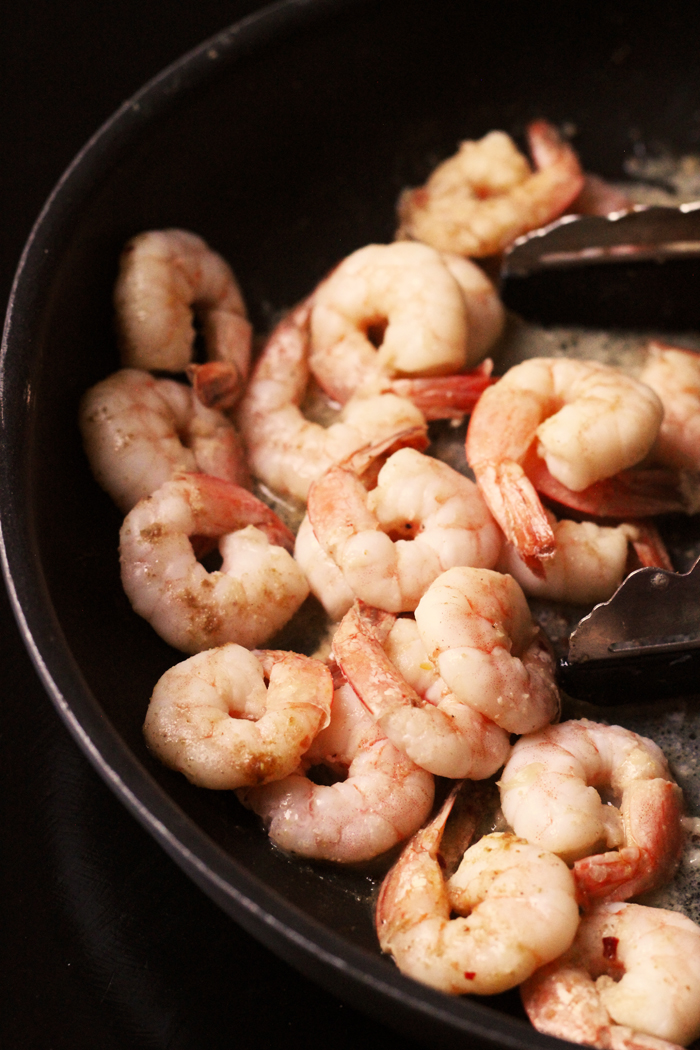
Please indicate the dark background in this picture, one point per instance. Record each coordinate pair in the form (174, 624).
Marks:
(104, 942)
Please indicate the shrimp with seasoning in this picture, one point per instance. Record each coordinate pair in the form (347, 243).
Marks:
(584, 421)
(400, 310)
(139, 431)
(516, 910)
(381, 798)
(478, 630)
(163, 276)
(477, 202)
(549, 796)
(630, 981)
(227, 718)
(257, 590)
(378, 654)
(390, 543)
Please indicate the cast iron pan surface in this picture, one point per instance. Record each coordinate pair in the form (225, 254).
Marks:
(284, 142)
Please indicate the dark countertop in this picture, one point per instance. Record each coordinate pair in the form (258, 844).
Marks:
(106, 943)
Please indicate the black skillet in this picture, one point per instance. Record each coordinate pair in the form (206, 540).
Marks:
(284, 142)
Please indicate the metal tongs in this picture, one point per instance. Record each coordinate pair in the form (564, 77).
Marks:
(638, 269)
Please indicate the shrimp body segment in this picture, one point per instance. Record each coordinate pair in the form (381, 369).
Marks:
(139, 431)
(163, 276)
(421, 518)
(286, 450)
(549, 796)
(378, 655)
(258, 589)
(478, 201)
(674, 374)
(417, 304)
(477, 628)
(630, 981)
(586, 421)
(214, 718)
(516, 904)
(381, 798)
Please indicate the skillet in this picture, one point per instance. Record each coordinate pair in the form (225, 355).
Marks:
(335, 107)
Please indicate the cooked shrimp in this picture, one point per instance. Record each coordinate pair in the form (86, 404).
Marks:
(381, 800)
(549, 796)
(400, 309)
(674, 374)
(213, 718)
(478, 201)
(390, 543)
(516, 904)
(139, 431)
(287, 451)
(630, 981)
(432, 727)
(258, 589)
(589, 563)
(585, 420)
(477, 628)
(163, 276)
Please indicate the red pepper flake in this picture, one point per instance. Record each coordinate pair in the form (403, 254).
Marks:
(470, 976)
(610, 947)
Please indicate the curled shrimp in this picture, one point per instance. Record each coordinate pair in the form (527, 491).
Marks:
(391, 310)
(516, 910)
(478, 201)
(214, 718)
(549, 796)
(163, 276)
(390, 543)
(674, 374)
(436, 730)
(589, 562)
(630, 981)
(286, 450)
(257, 590)
(586, 421)
(477, 628)
(381, 798)
(139, 431)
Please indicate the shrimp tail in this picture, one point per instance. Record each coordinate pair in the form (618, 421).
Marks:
(515, 505)
(217, 384)
(637, 493)
(445, 397)
(651, 811)
(649, 547)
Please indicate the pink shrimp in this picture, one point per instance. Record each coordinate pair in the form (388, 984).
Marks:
(630, 981)
(435, 730)
(228, 717)
(586, 421)
(515, 905)
(478, 201)
(401, 310)
(139, 431)
(549, 796)
(163, 275)
(257, 590)
(380, 797)
(420, 518)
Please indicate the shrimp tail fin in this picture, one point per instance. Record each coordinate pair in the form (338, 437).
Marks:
(217, 384)
(515, 505)
(652, 811)
(446, 397)
(636, 493)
